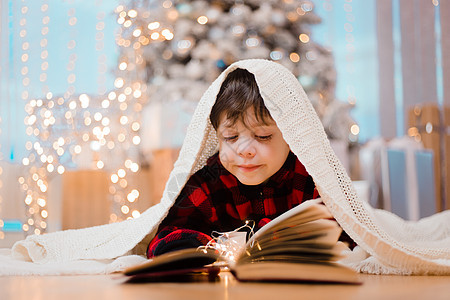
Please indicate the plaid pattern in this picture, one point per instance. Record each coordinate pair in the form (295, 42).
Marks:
(214, 200)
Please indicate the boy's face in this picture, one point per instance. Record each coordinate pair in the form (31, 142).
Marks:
(252, 153)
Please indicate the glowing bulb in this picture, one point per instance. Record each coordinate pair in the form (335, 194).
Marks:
(114, 178)
(354, 129)
(105, 103)
(135, 126)
(61, 169)
(202, 20)
(123, 66)
(77, 149)
(123, 120)
(132, 13)
(134, 167)
(304, 38)
(119, 82)
(294, 57)
(137, 32)
(153, 25)
(154, 36)
(125, 209)
(112, 96)
(136, 140)
(50, 168)
(121, 173)
(41, 202)
(84, 99)
(28, 200)
(98, 116)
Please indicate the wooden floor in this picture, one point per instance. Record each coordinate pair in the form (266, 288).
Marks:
(112, 287)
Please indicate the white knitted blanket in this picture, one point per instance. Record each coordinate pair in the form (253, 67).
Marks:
(387, 244)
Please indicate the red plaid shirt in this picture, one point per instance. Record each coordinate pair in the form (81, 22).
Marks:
(214, 200)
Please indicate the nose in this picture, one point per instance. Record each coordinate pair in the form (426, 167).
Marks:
(246, 148)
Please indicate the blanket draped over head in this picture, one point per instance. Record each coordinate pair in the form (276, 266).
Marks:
(387, 244)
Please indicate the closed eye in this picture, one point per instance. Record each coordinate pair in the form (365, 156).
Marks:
(264, 137)
(230, 138)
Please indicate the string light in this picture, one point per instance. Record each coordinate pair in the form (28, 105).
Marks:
(349, 60)
(71, 47)
(39, 117)
(2, 234)
(99, 47)
(126, 103)
(25, 96)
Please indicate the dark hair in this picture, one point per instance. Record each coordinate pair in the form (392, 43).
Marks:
(238, 92)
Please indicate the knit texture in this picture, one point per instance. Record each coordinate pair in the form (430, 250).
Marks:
(390, 244)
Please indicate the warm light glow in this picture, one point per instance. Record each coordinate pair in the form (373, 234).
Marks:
(84, 99)
(28, 200)
(413, 131)
(100, 164)
(132, 13)
(304, 38)
(153, 25)
(105, 103)
(167, 4)
(123, 120)
(167, 34)
(154, 36)
(202, 20)
(135, 126)
(294, 57)
(114, 178)
(136, 140)
(123, 66)
(125, 209)
(77, 149)
(137, 32)
(127, 23)
(41, 202)
(50, 168)
(354, 129)
(134, 167)
(61, 169)
(118, 83)
(121, 173)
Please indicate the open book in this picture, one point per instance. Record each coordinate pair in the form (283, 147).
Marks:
(299, 245)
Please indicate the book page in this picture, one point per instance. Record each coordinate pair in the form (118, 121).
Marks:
(304, 212)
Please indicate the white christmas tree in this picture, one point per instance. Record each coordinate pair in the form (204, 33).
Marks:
(186, 44)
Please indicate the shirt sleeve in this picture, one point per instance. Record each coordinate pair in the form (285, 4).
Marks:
(172, 238)
(187, 224)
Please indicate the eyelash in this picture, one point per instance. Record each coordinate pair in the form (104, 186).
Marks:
(259, 137)
(230, 138)
(264, 137)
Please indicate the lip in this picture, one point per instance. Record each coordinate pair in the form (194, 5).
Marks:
(248, 168)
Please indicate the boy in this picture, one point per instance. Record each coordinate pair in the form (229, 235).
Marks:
(254, 176)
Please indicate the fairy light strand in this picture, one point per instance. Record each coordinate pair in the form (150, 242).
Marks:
(38, 162)
(25, 97)
(2, 223)
(350, 46)
(129, 97)
(2, 234)
(71, 46)
(99, 47)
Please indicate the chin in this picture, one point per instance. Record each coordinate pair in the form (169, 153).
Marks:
(250, 181)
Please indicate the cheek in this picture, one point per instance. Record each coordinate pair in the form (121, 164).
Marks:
(225, 152)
